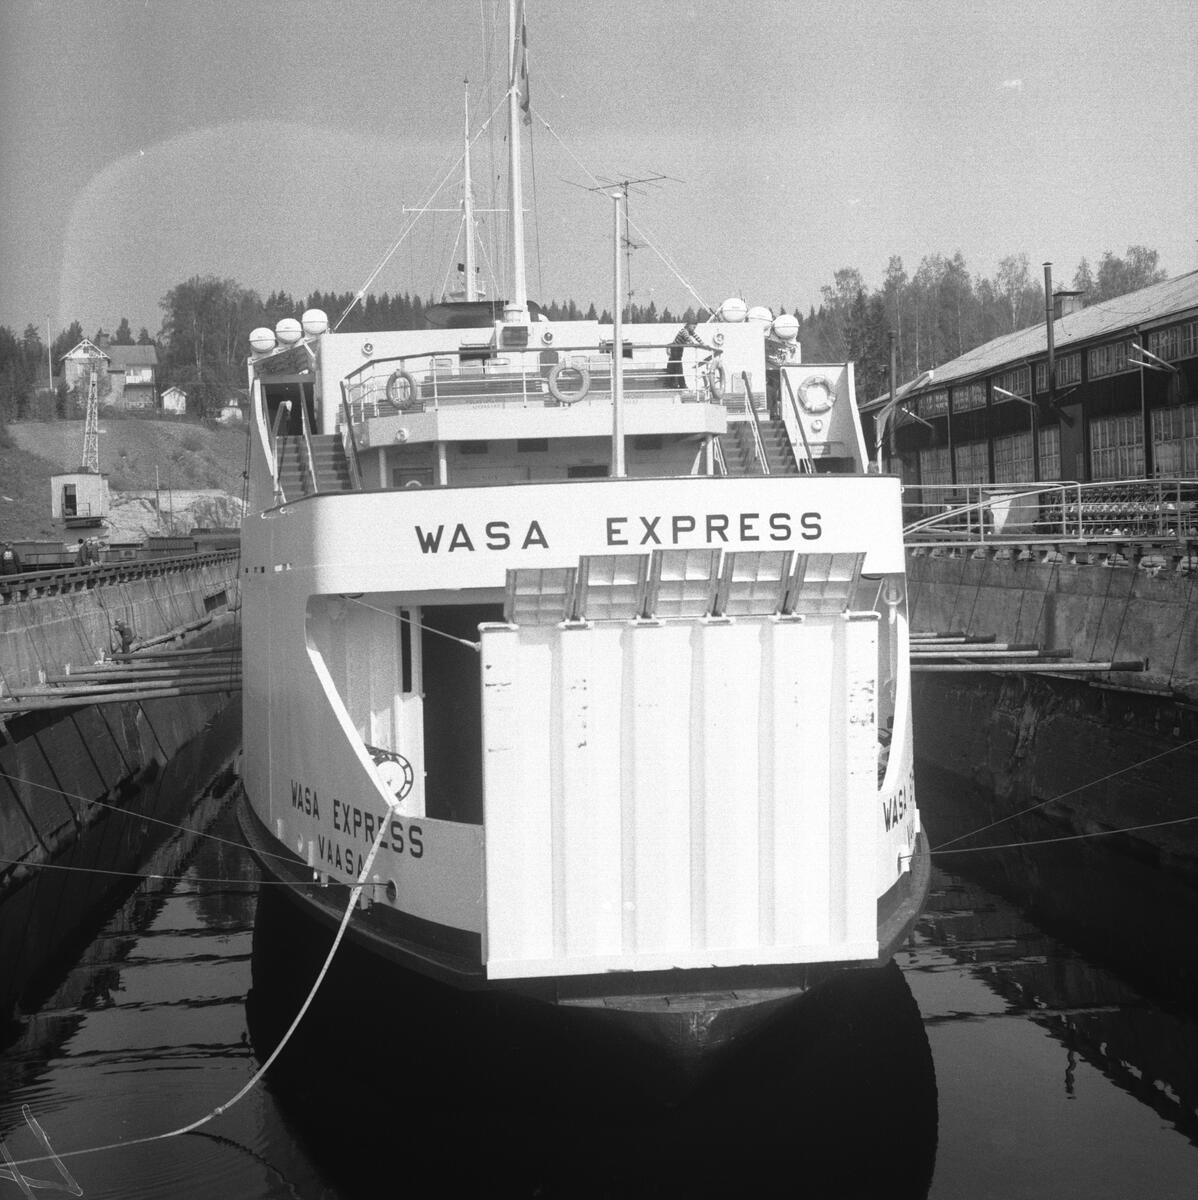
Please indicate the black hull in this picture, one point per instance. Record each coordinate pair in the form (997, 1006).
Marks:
(681, 1016)
(498, 1094)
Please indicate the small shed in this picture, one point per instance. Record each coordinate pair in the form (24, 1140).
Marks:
(79, 499)
(174, 400)
(231, 413)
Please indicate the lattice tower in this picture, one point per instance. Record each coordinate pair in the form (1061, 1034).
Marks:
(91, 428)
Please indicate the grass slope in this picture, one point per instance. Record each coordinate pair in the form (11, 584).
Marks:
(185, 455)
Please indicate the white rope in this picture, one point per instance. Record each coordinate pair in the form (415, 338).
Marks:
(257, 1076)
(475, 646)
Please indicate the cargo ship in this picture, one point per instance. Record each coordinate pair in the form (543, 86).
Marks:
(582, 648)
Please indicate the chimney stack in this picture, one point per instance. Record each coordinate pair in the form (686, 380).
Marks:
(1064, 303)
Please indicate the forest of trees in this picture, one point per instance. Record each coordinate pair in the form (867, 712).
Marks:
(936, 315)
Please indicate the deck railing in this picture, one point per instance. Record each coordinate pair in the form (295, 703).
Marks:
(1127, 510)
(547, 377)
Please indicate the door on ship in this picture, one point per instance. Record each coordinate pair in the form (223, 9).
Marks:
(296, 394)
(453, 710)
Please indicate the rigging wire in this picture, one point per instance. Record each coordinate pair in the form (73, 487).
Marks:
(1081, 787)
(360, 295)
(650, 240)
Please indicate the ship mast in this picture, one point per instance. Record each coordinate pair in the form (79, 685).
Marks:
(516, 306)
(468, 210)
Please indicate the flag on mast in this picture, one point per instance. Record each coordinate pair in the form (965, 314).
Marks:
(520, 64)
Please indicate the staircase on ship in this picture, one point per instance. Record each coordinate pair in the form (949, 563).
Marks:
(327, 469)
(743, 452)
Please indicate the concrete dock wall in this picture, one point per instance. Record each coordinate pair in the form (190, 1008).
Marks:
(1099, 613)
(55, 633)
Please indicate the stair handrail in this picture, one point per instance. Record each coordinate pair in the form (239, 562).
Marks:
(282, 411)
(355, 468)
(758, 444)
(720, 461)
(309, 461)
(790, 416)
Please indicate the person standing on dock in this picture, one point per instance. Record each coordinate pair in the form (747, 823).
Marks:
(10, 560)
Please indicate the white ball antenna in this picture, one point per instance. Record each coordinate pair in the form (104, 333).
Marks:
(315, 322)
(760, 314)
(288, 331)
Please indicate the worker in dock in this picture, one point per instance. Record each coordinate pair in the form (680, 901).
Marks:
(10, 560)
(123, 631)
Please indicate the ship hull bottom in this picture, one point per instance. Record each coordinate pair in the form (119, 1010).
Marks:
(679, 1019)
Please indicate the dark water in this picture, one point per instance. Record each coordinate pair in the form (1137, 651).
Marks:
(993, 1061)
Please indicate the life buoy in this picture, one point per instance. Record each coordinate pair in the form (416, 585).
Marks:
(584, 383)
(402, 390)
(817, 393)
(717, 379)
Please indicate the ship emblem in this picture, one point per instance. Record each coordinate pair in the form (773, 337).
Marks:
(394, 770)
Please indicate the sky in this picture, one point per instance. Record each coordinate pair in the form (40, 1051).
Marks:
(284, 145)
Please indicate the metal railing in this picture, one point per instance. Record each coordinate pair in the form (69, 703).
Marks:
(755, 424)
(1027, 513)
(542, 377)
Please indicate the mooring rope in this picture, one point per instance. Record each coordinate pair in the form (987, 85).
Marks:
(354, 896)
(475, 646)
(13, 779)
(1081, 787)
(1066, 837)
(151, 875)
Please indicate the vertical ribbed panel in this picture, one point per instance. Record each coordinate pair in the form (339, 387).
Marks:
(518, 701)
(655, 851)
(587, 816)
(678, 795)
(724, 794)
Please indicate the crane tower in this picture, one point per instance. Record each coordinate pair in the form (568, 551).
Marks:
(91, 429)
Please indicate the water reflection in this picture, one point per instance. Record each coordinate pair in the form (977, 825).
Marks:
(836, 1097)
(1057, 1076)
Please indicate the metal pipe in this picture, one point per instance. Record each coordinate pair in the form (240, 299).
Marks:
(617, 352)
(1048, 323)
